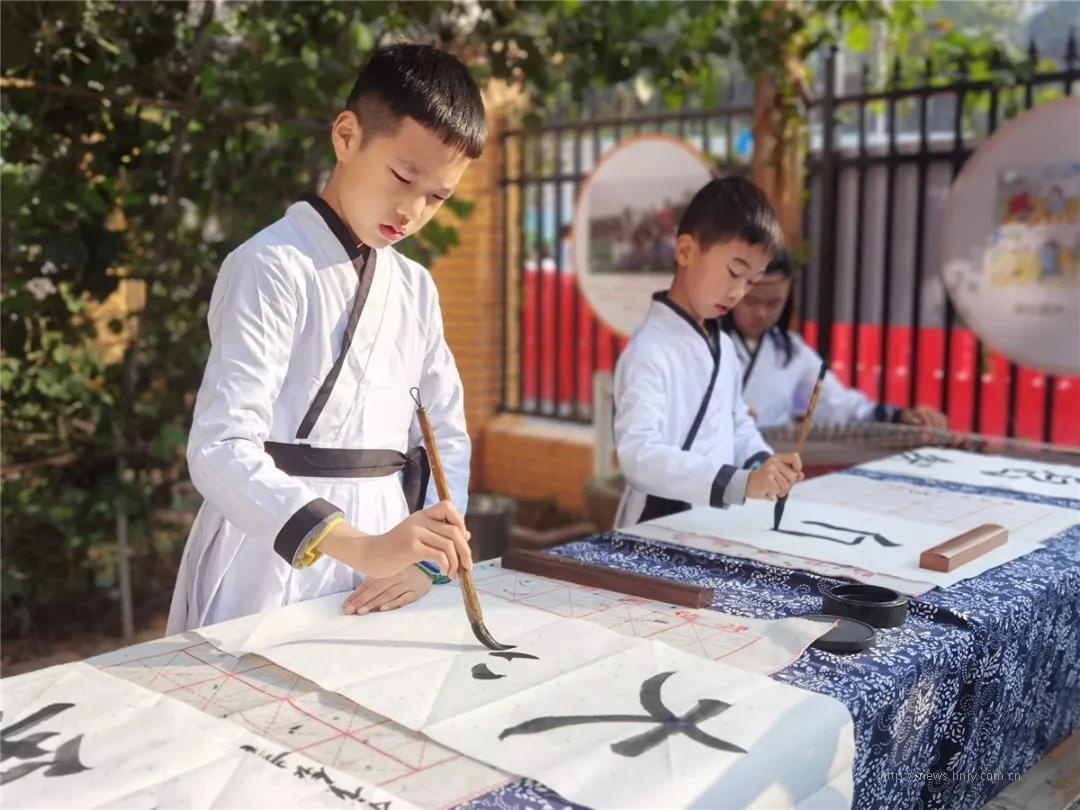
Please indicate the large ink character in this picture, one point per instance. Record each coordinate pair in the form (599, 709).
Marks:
(860, 535)
(666, 722)
(64, 761)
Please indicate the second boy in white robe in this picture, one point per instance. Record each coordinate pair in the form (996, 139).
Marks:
(696, 446)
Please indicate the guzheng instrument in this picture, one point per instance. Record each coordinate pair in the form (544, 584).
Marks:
(831, 447)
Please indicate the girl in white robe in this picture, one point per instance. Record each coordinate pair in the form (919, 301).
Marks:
(779, 370)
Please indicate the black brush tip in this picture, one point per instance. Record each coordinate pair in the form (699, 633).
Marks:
(485, 638)
(778, 512)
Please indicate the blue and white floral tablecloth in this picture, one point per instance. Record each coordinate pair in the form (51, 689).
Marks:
(980, 682)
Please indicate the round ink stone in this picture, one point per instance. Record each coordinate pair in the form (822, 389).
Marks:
(877, 606)
(849, 635)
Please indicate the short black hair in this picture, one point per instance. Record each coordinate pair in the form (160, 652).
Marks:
(732, 208)
(423, 83)
(782, 264)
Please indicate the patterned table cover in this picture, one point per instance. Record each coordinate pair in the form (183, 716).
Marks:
(980, 682)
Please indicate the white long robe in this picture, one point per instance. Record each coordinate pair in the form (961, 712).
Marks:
(661, 380)
(278, 316)
(778, 393)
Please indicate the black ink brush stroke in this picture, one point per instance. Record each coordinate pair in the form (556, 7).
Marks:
(1038, 476)
(923, 460)
(510, 656)
(482, 673)
(341, 793)
(65, 762)
(320, 775)
(40, 716)
(862, 534)
(668, 723)
(26, 748)
(65, 759)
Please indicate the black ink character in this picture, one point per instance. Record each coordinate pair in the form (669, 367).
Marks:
(922, 460)
(482, 673)
(303, 772)
(65, 759)
(1038, 476)
(862, 534)
(341, 793)
(667, 723)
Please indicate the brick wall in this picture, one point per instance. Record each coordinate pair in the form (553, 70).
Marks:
(529, 459)
(537, 459)
(469, 278)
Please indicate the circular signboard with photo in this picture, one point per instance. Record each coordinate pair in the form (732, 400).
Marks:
(1012, 239)
(627, 213)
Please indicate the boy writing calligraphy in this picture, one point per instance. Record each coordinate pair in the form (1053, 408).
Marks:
(304, 442)
(683, 434)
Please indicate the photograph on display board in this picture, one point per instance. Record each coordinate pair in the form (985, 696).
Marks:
(625, 224)
(1038, 240)
(639, 238)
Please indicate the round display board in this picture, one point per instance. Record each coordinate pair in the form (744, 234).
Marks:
(1012, 239)
(627, 213)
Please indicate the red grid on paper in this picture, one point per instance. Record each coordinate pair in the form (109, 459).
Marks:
(929, 505)
(295, 714)
(709, 635)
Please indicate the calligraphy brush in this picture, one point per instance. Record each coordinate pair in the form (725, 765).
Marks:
(778, 509)
(468, 589)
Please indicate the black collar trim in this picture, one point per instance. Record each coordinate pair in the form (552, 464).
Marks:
(710, 334)
(339, 229)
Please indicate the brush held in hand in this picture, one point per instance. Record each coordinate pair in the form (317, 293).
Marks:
(468, 589)
(778, 509)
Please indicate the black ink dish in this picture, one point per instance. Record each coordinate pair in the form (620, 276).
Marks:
(877, 606)
(849, 635)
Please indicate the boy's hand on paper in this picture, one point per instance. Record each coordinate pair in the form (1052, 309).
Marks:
(775, 478)
(389, 593)
(436, 534)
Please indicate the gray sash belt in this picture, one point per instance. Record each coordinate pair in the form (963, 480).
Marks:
(339, 462)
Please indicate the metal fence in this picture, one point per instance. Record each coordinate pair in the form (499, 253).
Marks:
(879, 167)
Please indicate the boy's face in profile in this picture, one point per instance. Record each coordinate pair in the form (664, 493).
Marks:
(391, 185)
(716, 279)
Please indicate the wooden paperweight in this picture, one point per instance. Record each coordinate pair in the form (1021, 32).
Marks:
(964, 548)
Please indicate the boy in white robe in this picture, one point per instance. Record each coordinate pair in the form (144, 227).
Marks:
(780, 370)
(304, 442)
(683, 434)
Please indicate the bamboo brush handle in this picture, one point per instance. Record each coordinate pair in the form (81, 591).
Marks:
(472, 602)
(804, 433)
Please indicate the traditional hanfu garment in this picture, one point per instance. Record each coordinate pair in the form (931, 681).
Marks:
(683, 434)
(304, 414)
(778, 390)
